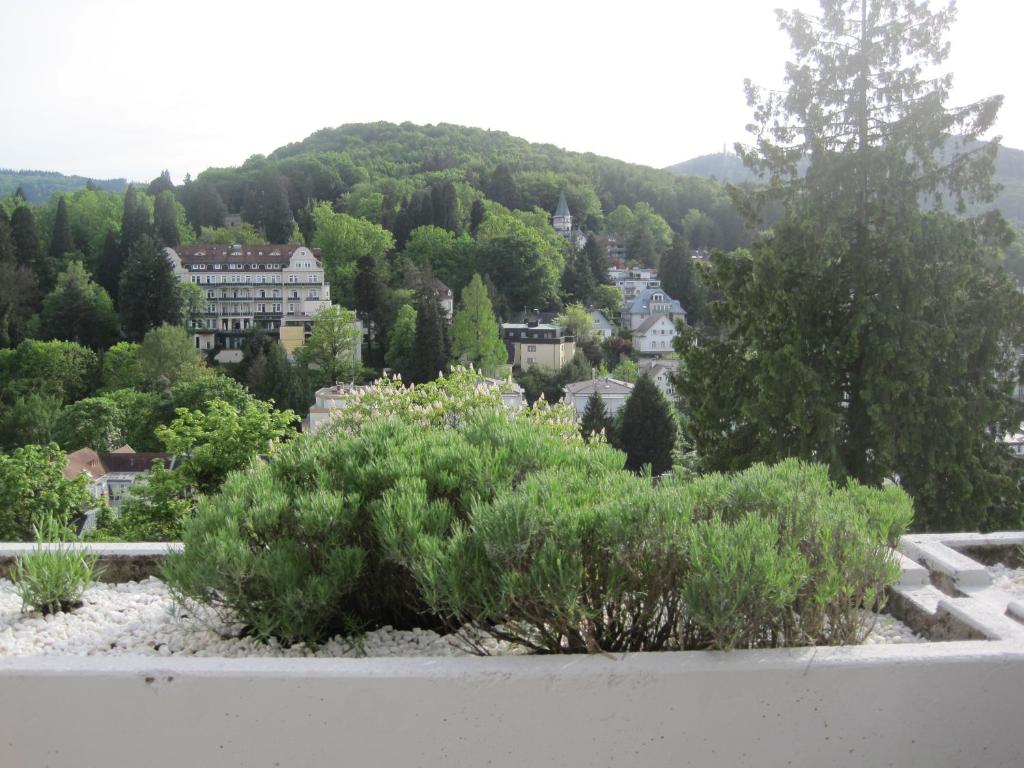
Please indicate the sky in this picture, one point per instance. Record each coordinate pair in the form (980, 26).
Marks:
(115, 88)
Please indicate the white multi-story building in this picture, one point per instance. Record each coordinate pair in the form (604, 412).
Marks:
(646, 304)
(633, 282)
(269, 287)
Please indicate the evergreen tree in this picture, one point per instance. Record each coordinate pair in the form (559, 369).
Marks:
(160, 184)
(476, 216)
(861, 321)
(134, 220)
(402, 341)
(578, 282)
(428, 357)
(475, 335)
(61, 242)
(680, 280)
(7, 252)
(165, 215)
(271, 377)
(18, 297)
(148, 290)
(595, 418)
(79, 310)
(445, 204)
(27, 249)
(370, 295)
(501, 187)
(648, 429)
(108, 274)
(277, 214)
(596, 251)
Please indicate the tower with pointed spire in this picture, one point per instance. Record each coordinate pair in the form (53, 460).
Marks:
(562, 220)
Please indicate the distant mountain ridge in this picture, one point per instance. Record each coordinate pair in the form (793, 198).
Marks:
(727, 167)
(39, 186)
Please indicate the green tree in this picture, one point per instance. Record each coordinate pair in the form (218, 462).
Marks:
(647, 432)
(278, 221)
(18, 296)
(271, 377)
(626, 370)
(595, 419)
(576, 319)
(31, 419)
(223, 438)
(121, 368)
(148, 294)
(596, 251)
(525, 264)
(402, 341)
(7, 253)
(578, 282)
(27, 249)
(429, 357)
(79, 310)
(475, 335)
(342, 241)
(92, 422)
(680, 280)
(111, 262)
(165, 220)
(33, 488)
(166, 354)
(451, 258)
(332, 345)
(245, 234)
(371, 303)
(61, 241)
(61, 368)
(861, 321)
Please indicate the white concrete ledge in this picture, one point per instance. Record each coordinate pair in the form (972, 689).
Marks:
(841, 707)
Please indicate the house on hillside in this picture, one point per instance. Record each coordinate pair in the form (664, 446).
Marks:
(562, 222)
(535, 343)
(444, 298)
(613, 394)
(660, 371)
(649, 302)
(110, 475)
(269, 287)
(654, 335)
(603, 328)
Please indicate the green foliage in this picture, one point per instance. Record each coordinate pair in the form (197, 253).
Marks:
(33, 489)
(475, 337)
(342, 241)
(121, 367)
(576, 319)
(166, 355)
(450, 258)
(681, 281)
(92, 422)
(246, 234)
(538, 381)
(626, 370)
(79, 310)
(30, 419)
(223, 438)
(61, 368)
(522, 260)
(148, 294)
(595, 420)
(647, 431)
(331, 347)
(53, 578)
(154, 509)
(402, 341)
(429, 355)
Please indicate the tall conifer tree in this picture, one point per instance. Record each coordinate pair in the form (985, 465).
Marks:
(61, 242)
(648, 430)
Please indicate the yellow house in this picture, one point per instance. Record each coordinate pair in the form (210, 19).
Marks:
(540, 344)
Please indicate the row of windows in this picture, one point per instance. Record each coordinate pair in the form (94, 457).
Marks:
(315, 278)
(195, 267)
(275, 294)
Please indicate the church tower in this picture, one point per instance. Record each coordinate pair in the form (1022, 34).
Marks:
(562, 220)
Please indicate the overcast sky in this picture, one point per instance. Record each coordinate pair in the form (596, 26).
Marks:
(108, 88)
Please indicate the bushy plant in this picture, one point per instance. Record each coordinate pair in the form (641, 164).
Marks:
(774, 556)
(33, 488)
(306, 546)
(55, 575)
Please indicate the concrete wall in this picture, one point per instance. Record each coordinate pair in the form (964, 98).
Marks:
(940, 704)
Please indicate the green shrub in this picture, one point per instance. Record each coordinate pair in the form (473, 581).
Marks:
(55, 575)
(33, 489)
(313, 543)
(774, 556)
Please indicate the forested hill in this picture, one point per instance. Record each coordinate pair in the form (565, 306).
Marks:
(378, 170)
(727, 167)
(38, 186)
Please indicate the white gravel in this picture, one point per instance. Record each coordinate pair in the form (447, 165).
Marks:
(139, 618)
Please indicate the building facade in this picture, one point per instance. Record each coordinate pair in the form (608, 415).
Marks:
(613, 394)
(562, 222)
(649, 302)
(654, 336)
(269, 287)
(534, 343)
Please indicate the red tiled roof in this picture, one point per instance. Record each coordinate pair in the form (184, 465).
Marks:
(247, 254)
(124, 459)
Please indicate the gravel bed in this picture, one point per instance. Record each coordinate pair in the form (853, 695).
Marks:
(139, 618)
(1008, 579)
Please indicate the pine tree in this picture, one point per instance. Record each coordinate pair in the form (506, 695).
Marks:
(501, 187)
(79, 310)
(595, 418)
(370, 299)
(108, 274)
(648, 430)
(161, 183)
(7, 252)
(61, 242)
(578, 282)
(475, 335)
(148, 291)
(862, 321)
(277, 214)
(680, 281)
(476, 216)
(27, 249)
(165, 216)
(597, 257)
(134, 220)
(428, 357)
(402, 341)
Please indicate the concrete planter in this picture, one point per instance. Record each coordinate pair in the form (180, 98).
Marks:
(953, 703)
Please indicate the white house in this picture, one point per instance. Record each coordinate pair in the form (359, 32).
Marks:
(613, 393)
(660, 372)
(649, 302)
(603, 328)
(654, 335)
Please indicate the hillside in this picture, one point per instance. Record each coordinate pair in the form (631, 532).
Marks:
(727, 167)
(38, 186)
(374, 169)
